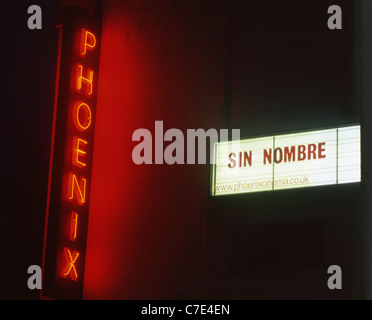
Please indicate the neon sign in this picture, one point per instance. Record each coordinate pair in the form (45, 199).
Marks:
(71, 156)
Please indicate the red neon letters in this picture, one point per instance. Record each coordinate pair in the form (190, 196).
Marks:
(77, 188)
(82, 116)
(78, 152)
(70, 268)
(73, 228)
(87, 80)
(81, 120)
(88, 42)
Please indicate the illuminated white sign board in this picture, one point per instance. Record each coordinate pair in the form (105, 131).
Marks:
(306, 159)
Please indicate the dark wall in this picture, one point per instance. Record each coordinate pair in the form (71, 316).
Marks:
(289, 70)
(365, 81)
(28, 66)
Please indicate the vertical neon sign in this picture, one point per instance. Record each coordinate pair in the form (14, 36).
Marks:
(71, 156)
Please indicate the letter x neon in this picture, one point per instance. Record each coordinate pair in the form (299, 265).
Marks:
(70, 266)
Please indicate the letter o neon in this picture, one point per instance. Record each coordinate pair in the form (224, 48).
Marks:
(85, 124)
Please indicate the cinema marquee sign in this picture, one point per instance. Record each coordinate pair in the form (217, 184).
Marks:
(306, 159)
(71, 157)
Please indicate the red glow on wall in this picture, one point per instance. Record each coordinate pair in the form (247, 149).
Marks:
(137, 212)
